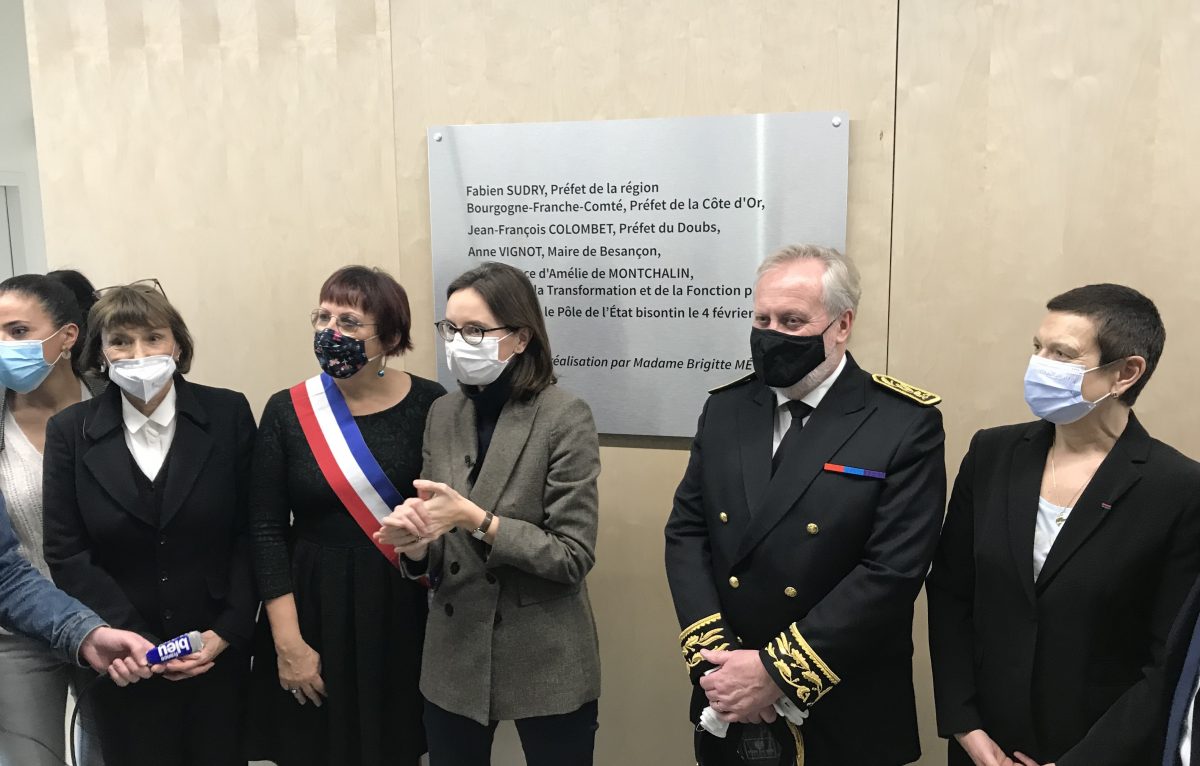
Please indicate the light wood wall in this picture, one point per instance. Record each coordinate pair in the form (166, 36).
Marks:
(237, 151)
(240, 151)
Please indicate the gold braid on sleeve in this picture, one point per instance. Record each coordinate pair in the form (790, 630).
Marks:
(707, 633)
(798, 670)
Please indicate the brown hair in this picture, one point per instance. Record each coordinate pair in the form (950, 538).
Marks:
(510, 297)
(133, 306)
(377, 292)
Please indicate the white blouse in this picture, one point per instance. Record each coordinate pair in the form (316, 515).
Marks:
(21, 483)
(1046, 531)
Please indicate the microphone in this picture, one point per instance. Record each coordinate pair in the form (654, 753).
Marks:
(180, 646)
(468, 461)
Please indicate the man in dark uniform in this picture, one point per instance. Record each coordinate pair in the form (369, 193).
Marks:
(800, 537)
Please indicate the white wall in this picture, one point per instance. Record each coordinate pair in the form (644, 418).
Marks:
(18, 154)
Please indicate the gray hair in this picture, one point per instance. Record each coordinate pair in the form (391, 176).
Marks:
(840, 288)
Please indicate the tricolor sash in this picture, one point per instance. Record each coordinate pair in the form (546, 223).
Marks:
(344, 458)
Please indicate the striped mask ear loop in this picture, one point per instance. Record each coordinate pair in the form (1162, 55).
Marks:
(799, 738)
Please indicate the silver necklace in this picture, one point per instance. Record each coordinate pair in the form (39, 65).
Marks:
(1062, 516)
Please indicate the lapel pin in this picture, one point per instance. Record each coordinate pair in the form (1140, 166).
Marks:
(1106, 506)
(835, 468)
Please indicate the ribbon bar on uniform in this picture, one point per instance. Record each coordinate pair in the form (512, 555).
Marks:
(835, 468)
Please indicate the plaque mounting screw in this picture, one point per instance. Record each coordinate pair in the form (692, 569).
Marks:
(837, 123)
(438, 136)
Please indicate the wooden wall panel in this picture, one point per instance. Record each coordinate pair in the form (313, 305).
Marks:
(238, 151)
(1041, 147)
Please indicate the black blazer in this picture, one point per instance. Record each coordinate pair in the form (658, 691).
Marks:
(1063, 669)
(1177, 690)
(816, 569)
(189, 571)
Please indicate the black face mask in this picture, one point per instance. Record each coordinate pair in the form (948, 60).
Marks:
(340, 356)
(782, 360)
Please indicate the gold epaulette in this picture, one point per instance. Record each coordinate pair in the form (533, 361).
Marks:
(732, 384)
(707, 633)
(918, 395)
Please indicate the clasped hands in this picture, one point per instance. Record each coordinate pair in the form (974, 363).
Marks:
(739, 690)
(437, 508)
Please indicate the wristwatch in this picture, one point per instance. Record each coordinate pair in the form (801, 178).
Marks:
(480, 533)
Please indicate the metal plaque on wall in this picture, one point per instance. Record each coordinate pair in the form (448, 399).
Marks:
(641, 238)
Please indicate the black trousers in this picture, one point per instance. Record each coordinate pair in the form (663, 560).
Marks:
(552, 740)
(156, 722)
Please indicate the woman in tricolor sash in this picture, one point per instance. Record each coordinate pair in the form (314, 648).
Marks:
(335, 676)
(504, 528)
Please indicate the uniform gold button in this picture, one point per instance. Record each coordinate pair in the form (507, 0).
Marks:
(733, 582)
(813, 529)
(789, 591)
(724, 517)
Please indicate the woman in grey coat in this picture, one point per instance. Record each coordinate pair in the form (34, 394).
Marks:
(504, 531)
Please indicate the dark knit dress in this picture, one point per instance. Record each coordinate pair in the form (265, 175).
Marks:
(356, 610)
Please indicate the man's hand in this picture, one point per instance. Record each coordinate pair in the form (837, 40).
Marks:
(119, 653)
(739, 690)
(199, 662)
(983, 750)
(766, 715)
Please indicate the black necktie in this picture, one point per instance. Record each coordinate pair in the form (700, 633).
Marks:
(799, 411)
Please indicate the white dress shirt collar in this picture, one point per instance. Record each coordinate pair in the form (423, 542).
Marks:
(149, 438)
(783, 416)
(163, 415)
(814, 397)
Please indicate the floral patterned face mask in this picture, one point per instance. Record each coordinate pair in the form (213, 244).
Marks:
(340, 356)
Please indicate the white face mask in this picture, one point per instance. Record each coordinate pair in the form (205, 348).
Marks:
(142, 378)
(1054, 390)
(476, 365)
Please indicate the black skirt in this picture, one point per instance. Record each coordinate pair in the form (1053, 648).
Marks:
(367, 622)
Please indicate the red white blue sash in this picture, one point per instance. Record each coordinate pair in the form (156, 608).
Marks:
(343, 457)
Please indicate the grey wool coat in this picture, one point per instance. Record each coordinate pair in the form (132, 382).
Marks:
(510, 632)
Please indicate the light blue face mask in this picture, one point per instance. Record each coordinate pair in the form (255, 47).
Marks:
(1054, 390)
(23, 365)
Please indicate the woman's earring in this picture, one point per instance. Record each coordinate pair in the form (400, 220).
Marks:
(382, 366)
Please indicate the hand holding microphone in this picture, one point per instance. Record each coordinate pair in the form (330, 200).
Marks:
(187, 656)
(119, 653)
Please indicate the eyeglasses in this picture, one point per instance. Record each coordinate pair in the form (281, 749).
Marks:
(473, 334)
(150, 285)
(346, 324)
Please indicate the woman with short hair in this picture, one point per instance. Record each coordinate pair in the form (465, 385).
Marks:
(1068, 548)
(505, 530)
(145, 492)
(339, 648)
